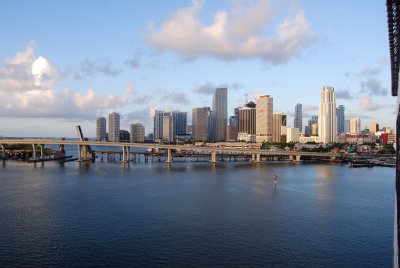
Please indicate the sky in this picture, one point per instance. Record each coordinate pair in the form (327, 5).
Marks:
(64, 63)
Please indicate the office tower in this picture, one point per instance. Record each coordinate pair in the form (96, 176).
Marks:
(220, 114)
(279, 127)
(236, 116)
(113, 127)
(373, 127)
(307, 131)
(101, 128)
(247, 120)
(201, 122)
(298, 117)
(346, 126)
(231, 133)
(314, 129)
(137, 132)
(340, 119)
(355, 126)
(264, 112)
(327, 120)
(124, 136)
(158, 125)
(292, 134)
(168, 129)
(180, 122)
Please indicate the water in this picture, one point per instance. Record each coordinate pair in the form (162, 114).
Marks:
(195, 214)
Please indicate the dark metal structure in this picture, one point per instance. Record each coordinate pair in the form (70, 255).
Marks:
(393, 13)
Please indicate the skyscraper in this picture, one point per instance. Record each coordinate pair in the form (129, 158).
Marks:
(201, 118)
(113, 127)
(180, 122)
(137, 132)
(373, 127)
(101, 128)
(168, 129)
(355, 126)
(264, 112)
(220, 113)
(279, 127)
(298, 117)
(327, 120)
(158, 124)
(340, 119)
(247, 120)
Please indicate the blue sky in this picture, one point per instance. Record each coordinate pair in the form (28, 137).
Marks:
(64, 63)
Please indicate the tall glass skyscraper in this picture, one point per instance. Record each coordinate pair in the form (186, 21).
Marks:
(298, 117)
(340, 119)
(113, 127)
(101, 128)
(327, 120)
(220, 114)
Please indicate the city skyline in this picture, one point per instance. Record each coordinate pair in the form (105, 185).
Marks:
(51, 74)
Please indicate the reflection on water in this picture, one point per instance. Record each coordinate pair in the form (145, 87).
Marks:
(195, 214)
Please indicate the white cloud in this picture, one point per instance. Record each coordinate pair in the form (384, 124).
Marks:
(367, 104)
(27, 90)
(232, 35)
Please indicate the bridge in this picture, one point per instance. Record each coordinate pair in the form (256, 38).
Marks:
(83, 146)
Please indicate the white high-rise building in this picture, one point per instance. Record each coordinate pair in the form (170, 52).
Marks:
(327, 120)
(137, 132)
(264, 110)
(355, 126)
(101, 128)
(113, 127)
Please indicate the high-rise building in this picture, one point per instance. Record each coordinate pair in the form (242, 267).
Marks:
(298, 117)
(201, 122)
(292, 134)
(373, 127)
(340, 119)
(113, 127)
(347, 126)
(327, 120)
(137, 132)
(247, 120)
(101, 128)
(231, 133)
(279, 127)
(264, 112)
(158, 125)
(220, 114)
(180, 122)
(124, 136)
(355, 126)
(168, 128)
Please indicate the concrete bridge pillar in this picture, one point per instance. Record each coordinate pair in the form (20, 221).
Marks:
(258, 157)
(213, 157)
(3, 151)
(253, 157)
(79, 152)
(290, 157)
(297, 158)
(33, 151)
(41, 151)
(169, 157)
(123, 154)
(333, 158)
